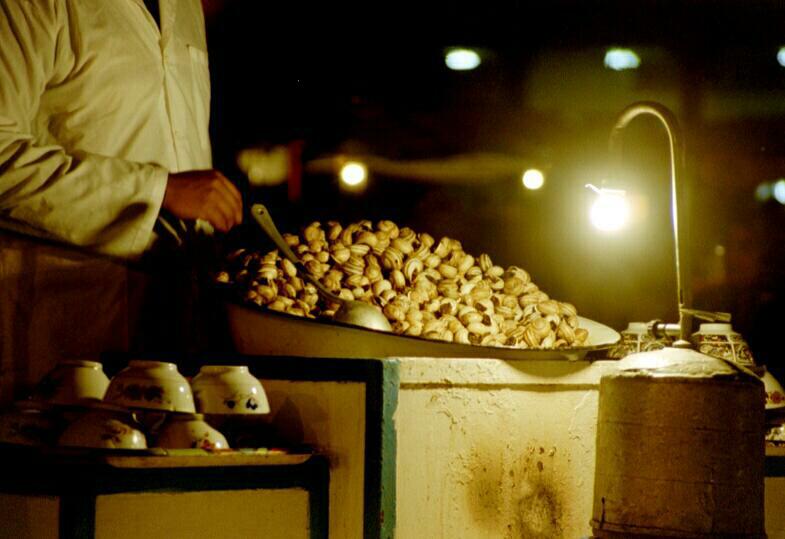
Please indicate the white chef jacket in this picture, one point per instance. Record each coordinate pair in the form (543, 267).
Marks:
(96, 107)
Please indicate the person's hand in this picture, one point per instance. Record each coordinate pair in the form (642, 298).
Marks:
(204, 194)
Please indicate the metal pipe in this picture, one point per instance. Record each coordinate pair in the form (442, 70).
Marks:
(675, 142)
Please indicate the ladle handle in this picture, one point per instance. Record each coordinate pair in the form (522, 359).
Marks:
(262, 216)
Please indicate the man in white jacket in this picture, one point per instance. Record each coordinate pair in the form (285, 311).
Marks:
(103, 121)
(104, 109)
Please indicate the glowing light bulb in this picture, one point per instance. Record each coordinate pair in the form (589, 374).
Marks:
(533, 179)
(610, 211)
(353, 173)
(620, 59)
(462, 59)
(778, 190)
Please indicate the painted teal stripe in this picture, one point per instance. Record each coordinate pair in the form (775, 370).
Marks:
(390, 385)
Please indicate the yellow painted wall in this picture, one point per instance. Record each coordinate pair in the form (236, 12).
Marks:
(271, 514)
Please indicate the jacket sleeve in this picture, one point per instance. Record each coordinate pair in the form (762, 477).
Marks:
(104, 203)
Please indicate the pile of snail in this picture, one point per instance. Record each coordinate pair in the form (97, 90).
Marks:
(424, 288)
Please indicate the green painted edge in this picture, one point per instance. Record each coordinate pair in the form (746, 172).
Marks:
(390, 385)
(381, 401)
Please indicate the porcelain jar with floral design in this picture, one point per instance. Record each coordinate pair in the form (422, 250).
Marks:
(720, 341)
(636, 338)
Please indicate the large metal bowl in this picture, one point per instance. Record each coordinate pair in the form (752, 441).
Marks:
(262, 332)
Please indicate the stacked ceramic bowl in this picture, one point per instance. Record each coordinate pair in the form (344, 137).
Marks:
(76, 405)
(67, 409)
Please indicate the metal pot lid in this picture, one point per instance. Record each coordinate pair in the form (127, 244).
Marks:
(680, 362)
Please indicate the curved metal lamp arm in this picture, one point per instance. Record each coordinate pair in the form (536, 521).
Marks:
(668, 120)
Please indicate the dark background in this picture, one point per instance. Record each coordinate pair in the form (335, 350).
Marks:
(368, 79)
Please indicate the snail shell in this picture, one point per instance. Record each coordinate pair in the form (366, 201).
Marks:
(478, 328)
(548, 307)
(495, 271)
(432, 261)
(335, 231)
(381, 286)
(403, 245)
(426, 240)
(473, 273)
(368, 238)
(419, 295)
(268, 271)
(412, 267)
(392, 258)
(414, 329)
(407, 234)
(390, 227)
(448, 288)
(481, 292)
(466, 262)
(443, 249)
(316, 246)
(313, 232)
(292, 240)
(341, 255)
(373, 273)
(497, 284)
(354, 266)
(434, 325)
(354, 281)
(288, 268)
(346, 294)
(513, 285)
(567, 309)
(398, 280)
(448, 307)
(414, 315)
(314, 267)
(388, 295)
(566, 332)
(421, 252)
(360, 249)
(484, 262)
(447, 271)
(581, 335)
(461, 335)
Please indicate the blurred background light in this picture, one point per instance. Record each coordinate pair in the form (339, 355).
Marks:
(533, 179)
(462, 59)
(778, 190)
(353, 174)
(763, 192)
(620, 59)
(781, 56)
(610, 210)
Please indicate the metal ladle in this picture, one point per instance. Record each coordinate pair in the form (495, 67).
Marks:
(355, 313)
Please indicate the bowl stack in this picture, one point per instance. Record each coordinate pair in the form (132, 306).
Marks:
(147, 404)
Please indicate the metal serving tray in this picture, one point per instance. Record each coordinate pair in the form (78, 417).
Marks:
(262, 332)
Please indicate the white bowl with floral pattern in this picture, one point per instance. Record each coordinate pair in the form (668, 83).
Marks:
(228, 389)
(153, 385)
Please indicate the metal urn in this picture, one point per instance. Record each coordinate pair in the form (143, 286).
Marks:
(680, 448)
